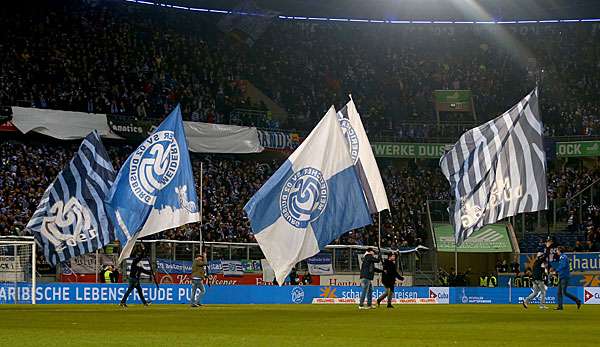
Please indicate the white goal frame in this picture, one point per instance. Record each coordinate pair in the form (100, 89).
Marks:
(24, 241)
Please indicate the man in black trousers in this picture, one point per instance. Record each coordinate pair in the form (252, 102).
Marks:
(388, 278)
(134, 280)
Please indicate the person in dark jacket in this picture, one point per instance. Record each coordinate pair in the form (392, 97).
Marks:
(307, 279)
(388, 278)
(134, 280)
(198, 276)
(367, 272)
(564, 274)
(114, 276)
(294, 279)
(537, 275)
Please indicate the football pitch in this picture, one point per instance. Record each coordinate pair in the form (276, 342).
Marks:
(297, 325)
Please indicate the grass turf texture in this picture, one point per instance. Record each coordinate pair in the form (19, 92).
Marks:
(297, 325)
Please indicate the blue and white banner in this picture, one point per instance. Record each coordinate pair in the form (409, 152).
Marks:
(363, 158)
(579, 262)
(278, 140)
(312, 199)
(71, 219)
(168, 266)
(232, 267)
(320, 264)
(144, 264)
(215, 267)
(155, 189)
(111, 293)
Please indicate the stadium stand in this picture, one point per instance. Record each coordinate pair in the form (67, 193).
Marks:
(139, 61)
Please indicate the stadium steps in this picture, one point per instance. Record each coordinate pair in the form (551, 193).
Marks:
(426, 270)
(533, 241)
(424, 279)
(256, 96)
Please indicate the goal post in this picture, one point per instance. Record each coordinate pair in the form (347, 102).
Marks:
(17, 270)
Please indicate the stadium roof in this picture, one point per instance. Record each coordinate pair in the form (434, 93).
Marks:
(456, 10)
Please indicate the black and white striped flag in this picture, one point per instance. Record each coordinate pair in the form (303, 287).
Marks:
(498, 169)
(71, 220)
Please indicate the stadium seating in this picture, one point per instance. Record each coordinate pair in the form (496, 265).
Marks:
(140, 60)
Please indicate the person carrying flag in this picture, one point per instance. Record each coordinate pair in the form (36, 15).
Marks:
(563, 272)
(367, 273)
(388, 278)
(134, 280)
(198, 275)
(539, 287)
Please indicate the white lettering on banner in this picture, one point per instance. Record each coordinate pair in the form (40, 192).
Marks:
(354, 280)
(502, 192)
(377, 292)
(51, 294)
(569, 149)
(356, 300)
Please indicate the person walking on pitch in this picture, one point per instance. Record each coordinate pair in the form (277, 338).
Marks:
(563, 279)
(367, 273)
(388, 278)
(134, 280)
(539, 287)
(198, 275)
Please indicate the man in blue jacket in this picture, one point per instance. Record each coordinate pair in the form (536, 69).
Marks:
(562, 269)
(367, 273)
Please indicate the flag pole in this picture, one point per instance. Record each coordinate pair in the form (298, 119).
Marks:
(455, 256)
(379, 231)
(201, 205)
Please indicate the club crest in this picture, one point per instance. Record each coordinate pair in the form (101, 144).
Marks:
(153, 165)
(72, 217)
(304, 197)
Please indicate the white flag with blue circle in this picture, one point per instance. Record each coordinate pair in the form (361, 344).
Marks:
(154, 190)
(71, 220)
(312, 199)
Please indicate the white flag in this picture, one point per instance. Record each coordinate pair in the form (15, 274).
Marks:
(311, 200)
(363, 158)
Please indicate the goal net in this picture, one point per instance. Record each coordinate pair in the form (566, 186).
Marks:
(17, 270)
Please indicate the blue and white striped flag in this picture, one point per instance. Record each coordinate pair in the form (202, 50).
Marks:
(155, 188)
(71, 219)
(498, 169)
(312, 199)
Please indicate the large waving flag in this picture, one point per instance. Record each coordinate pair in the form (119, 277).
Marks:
(312, 199)
(71, 220)
(363, 158)
(498, 169)
(155, 189)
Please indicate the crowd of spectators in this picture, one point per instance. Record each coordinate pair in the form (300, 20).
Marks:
(70, 56)
(28, 166)
(113, 57)
(228, 182)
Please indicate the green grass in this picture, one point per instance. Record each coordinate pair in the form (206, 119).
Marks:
(297, 325)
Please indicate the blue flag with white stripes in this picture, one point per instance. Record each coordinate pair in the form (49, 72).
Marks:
(71, 219)
(312, 199)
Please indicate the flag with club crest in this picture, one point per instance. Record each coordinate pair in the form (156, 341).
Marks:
(498, 169)
(155, 189)
(363, 158)
(71, 219)
(312, 199)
